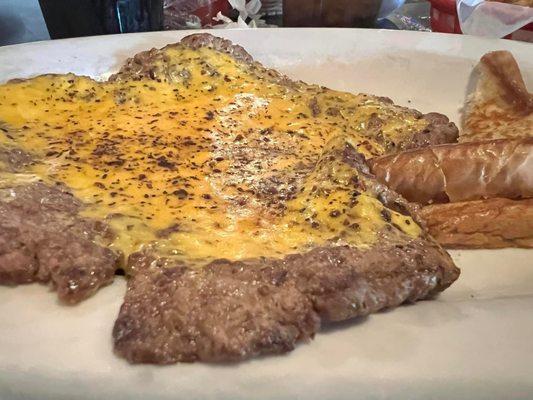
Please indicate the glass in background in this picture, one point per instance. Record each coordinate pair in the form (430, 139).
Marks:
(68, 18)
(331, 13)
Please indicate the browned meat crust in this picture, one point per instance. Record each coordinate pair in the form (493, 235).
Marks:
(236, 310)
(42, 239)
(439, 131)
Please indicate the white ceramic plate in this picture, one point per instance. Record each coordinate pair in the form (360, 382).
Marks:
(474, 341)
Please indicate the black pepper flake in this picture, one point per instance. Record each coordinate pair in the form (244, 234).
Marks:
(334, 213)
(181, 193)
(386, 215)
(164, 163)
(168, 231)
(118, 162)
(397, 226)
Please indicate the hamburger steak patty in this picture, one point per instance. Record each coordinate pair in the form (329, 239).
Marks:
(43, 239)
(236, 310)
(229, 310)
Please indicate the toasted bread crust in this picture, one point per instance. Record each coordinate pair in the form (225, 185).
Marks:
(483, 186)
(501, 106)
(492, 223)
(506, 70)
(460, 172)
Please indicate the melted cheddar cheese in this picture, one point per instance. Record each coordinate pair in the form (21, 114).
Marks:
(214, 161)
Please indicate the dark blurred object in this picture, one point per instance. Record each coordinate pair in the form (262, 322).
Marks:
(412, 16)
(187, 14)
(272, 7)
(73, 18)
(331, 13)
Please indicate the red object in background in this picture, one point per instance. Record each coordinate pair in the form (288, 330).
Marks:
(208, 12)
(444, 16)
(444, 19)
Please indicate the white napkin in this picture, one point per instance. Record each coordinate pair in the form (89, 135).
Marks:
(492, 19)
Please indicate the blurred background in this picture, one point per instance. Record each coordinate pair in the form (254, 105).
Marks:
(23, 20)
(32, 20)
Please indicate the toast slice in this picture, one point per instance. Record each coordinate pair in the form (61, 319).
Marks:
(489, 166)
(481, 224)
(500, 106)
(460, 171)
